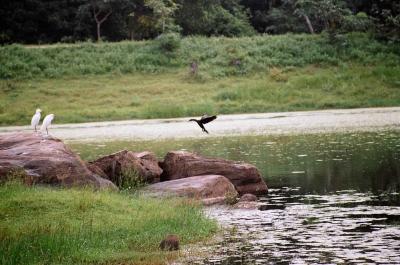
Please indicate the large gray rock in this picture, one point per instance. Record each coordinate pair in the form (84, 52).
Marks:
(114, 166)
(210, 189)
(245, 177)
(45, 160)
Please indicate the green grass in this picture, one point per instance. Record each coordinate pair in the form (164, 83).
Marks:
(113, 81)
(55, 226)
(174, 94)
(215, 56)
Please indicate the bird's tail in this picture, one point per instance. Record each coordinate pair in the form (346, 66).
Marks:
(204, 130)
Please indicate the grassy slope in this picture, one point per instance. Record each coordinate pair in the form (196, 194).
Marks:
(91, 82)
(52, 226)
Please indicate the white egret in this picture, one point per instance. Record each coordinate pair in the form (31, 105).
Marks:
(36, 119)
(46, 122)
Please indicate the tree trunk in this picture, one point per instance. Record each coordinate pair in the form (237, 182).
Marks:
(309, 25)
(98, 32)
(99, 21)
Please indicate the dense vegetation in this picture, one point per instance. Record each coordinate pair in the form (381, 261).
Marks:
(110, 81)
(40, 225)
(344, 54)
(47, 21)
(215, 57)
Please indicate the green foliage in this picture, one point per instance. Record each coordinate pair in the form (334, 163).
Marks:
(216, 57)
(251, 74)
(210, 17)
(35, 21)
(130, 180)
(359, 22)
(330, 13)
(388, 21)
(163, 12)
(281, 20)
(169, 42)
(227, 23)
(55, 226)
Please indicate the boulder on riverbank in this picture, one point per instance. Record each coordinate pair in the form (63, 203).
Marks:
(45, 160)
(245, 177)
(210, 189)
(248, 198)
(170, 243)
(115, 166)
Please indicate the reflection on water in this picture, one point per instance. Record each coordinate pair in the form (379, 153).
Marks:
(340, 228)
(334, 197)
(317, 163)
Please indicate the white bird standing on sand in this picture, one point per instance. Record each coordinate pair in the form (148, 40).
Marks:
(36, 119)
(46, 122)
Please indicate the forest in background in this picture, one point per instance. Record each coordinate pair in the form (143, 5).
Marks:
(232, 56)
(51, 21)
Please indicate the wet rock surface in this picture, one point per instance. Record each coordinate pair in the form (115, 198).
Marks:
(114, 166)
(45, 160)
(248, 198)
(245, 177)
(209, 188)
(338, 228)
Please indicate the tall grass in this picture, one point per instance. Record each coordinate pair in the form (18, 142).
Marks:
(217, 57)
(53, 226)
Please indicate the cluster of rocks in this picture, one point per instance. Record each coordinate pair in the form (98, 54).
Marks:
(49, 161)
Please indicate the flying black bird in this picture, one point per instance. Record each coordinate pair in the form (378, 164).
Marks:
(203, 120)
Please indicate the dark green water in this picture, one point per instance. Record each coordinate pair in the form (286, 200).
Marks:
(318, 163)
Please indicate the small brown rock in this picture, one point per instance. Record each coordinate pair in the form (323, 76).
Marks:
(170, 243)
(248, 198)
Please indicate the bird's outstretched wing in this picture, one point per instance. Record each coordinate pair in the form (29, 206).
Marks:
(207, 119)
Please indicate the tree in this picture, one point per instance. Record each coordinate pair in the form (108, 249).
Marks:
(303, 9)
(331, 13)
(101, 11)
(36, 21)
(280, 19)
(386, 14)
(131, 22)
(163, 11)
(110, 17)
(213, 17)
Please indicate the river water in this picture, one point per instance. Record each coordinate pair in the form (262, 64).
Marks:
(334, 197)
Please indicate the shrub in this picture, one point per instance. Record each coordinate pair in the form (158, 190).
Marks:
(169, 42)
(67, 39)
(231, 198)
(130, 180)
